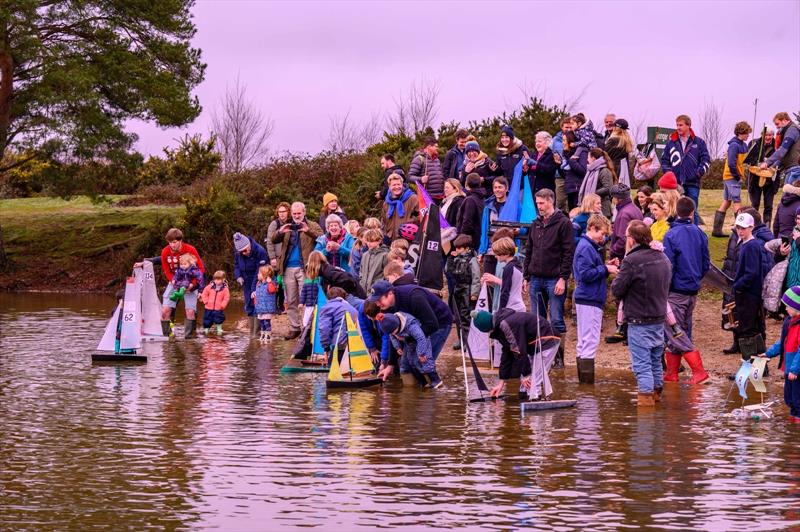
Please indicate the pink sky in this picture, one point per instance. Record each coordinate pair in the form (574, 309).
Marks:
(304, 62)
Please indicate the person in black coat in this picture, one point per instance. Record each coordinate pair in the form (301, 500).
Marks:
(470, 214)
(760, 149)
(543, 166)
(477, 162)
(785, 218)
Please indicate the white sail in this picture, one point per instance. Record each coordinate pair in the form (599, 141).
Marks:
(151, 306)
(131, 334)
(109, 339)
(479, 341)
(344, 365)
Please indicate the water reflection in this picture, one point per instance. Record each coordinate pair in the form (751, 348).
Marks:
(209, 434)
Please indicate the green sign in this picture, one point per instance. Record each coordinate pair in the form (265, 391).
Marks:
(658, 137)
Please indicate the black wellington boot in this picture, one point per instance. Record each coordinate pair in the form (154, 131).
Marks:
(189, 329)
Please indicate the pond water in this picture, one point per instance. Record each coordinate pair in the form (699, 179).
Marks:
(210, 434)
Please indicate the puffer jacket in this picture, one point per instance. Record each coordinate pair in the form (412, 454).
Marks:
(783, 224)
(266, 297)
(422, 165)
(191, 279)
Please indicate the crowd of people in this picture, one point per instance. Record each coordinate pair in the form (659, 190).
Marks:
(592, 234)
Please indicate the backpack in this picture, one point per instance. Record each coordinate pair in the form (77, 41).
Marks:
(460, 268)
(772, 290)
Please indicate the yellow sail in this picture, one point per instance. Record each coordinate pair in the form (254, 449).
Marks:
(335, 374)
(360, 361)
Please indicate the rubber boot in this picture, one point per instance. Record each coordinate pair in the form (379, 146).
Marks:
(255, 328)
(719, 221)
(558, 363)
(578, 366)
(657, 394)
(699, 374)
(166, 328)
(620, 335)
(585, 370)
(408, 379)
(673, 363)
(733, 349)
(645, 400)
(189, 329)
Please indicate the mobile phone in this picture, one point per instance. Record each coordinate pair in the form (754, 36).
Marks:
(786, 240)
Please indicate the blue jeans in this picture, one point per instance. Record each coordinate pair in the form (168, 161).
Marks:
(541, 293)
(646, 343)
(693, 191)
(438, 339)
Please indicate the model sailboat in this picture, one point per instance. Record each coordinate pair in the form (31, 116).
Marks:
(355, 369)
(123, 334)
(309, 355)
(150, 305)
(518, 212)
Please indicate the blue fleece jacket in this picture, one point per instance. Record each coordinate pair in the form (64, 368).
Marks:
(754, 264)
(590, 274)
(247, 267)
(341, 258)
(686, 247)
(690, 164)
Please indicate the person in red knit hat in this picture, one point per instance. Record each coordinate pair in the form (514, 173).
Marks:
(668, 185)
(668, 181)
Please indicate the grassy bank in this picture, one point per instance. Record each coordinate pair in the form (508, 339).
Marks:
(55, 244)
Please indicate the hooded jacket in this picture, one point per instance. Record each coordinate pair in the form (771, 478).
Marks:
(627, 211)
(372, 263)
(690, 164)
(734, 162)
(191, 279)
(783, 224)
(422, 164)
(549, 248)
(470, 215)
(306, 240)
(590, 274)
(642, 283)
(247, 267)
(686, 247)
(215, 298)
(331, 323)
(333, 276)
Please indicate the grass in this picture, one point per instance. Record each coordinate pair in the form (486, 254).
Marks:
(84, 243)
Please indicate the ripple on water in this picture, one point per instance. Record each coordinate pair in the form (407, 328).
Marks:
(209, 434)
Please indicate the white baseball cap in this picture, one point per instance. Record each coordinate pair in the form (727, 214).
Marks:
(745, 220)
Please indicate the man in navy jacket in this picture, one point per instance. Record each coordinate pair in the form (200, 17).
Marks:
(686, 155)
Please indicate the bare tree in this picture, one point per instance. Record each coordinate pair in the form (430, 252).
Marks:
(346, 136)
(417, 110)
(638, 129)
(242, 130)
(711, 128)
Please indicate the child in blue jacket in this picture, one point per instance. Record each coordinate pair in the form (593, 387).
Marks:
(265, 297)
(332, 323)
(412, 345)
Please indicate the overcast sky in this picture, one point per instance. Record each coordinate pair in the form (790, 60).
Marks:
(305, 62)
